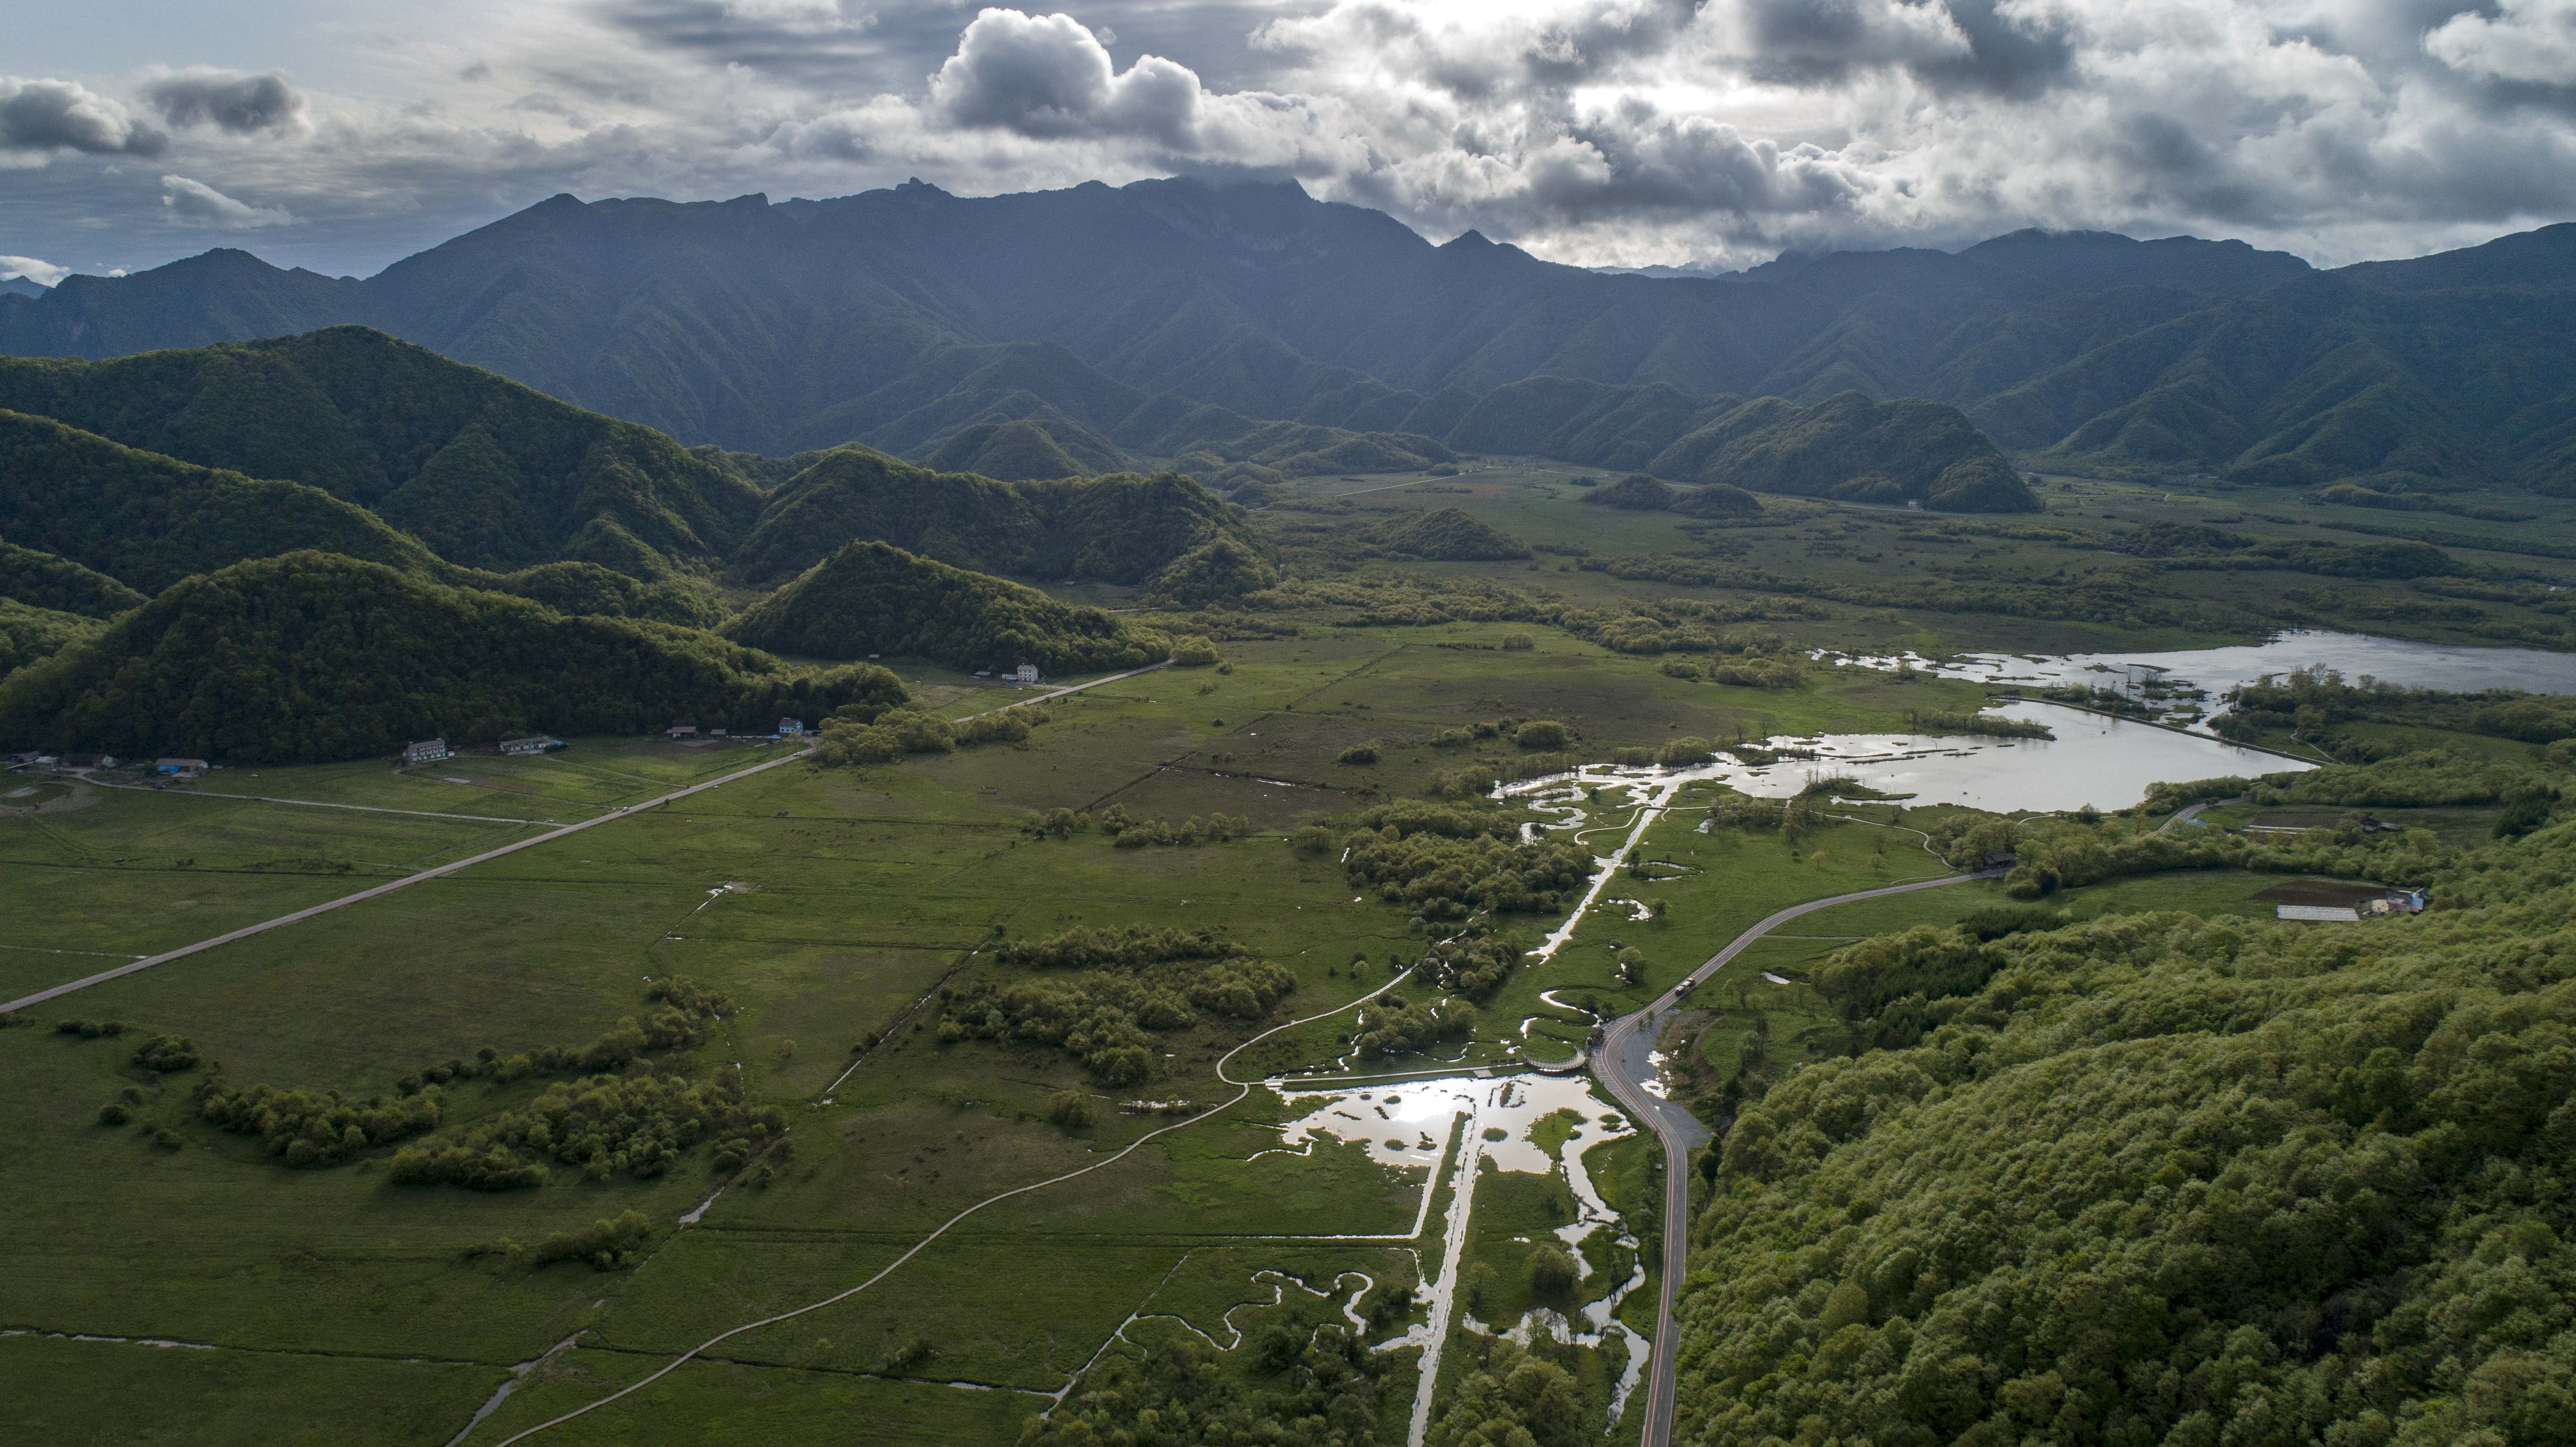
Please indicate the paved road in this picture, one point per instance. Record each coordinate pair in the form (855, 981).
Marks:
(443, 870)
(2193, 812)
(1624, 1061)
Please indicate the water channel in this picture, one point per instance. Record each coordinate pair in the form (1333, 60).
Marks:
(1491, 1118)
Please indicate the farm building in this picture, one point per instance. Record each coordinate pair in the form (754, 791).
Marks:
(1026, 673)
(427, 751)
(681, 731)
(532, 744)
(184, 768)
(2320, 913)
(791, 728)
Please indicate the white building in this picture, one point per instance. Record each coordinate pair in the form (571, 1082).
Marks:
(1026, 673)
(427, 751)
(533, 744)
(791, 728)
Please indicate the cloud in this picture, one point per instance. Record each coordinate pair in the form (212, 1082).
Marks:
(42, 273)
(1048, 76)
(45, 116)
(194, 203)
(229, 101)
(2527, 41)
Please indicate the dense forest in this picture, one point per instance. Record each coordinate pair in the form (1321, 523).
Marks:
(312, 657)
(2157, 1179)
(1119, 529)
(871, 598)
(487, 472)
(1845, 446)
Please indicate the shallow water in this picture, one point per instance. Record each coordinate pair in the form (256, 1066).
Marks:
(2105, 762)
(1392, 1119)
(2444, 666)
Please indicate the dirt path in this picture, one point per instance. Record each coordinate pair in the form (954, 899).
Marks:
(443, 870)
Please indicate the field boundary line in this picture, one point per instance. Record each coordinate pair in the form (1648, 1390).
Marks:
(1243, 1091)
(443, 870)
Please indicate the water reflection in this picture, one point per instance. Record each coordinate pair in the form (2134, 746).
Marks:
(2215, 671)
(1494, 1119)
(2105, 762)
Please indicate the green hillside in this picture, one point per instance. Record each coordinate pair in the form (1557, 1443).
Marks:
(28, 633)
(47, 580)
(1846, 446)
(312, 657)
(870, 598)
(148, 521)
(2163, 1179)
(1025, 450)
(1119, 529)
(487, 472)
(1450, 535)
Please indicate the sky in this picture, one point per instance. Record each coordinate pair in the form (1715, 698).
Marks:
(342, 136)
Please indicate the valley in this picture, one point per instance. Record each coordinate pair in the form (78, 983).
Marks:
(1253, 879)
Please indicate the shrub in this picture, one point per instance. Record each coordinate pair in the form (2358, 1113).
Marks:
(114, 1113)
(608, 1244)
(1543, 733)
(1071, 1109)
(167, 1053)
(1194, 652)
(1357, 754)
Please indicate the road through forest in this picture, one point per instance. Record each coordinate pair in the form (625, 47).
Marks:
(1625, 1063)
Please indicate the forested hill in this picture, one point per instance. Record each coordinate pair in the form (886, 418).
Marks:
(487, 472)
(312, 657)
(2161, 1179)
(1117, 529)
(901, 316)
(1844, 447)
(870, 598)
(146, 520)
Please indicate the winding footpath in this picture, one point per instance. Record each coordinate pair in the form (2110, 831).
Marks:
(488, 855)
(1624, 1060)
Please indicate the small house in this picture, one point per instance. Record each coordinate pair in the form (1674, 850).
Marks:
(86, 761)
(183, 768)
(1026, 673)
(427, 751)
(791, 728)
(719, 732)
(533, 744)
(682, 731)
(983, 673)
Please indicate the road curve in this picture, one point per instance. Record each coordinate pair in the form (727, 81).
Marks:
(1624, 1062)
(443, 870)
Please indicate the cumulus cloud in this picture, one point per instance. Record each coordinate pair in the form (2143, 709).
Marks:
(1590, 131)
(1048, 76)
(40, 117)
(2530, 41)
(228, 100)
(42, 273)
(194, 203)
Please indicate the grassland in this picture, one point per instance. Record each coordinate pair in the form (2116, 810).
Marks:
(832, 908)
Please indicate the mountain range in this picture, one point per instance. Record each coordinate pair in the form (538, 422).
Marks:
(923, 323)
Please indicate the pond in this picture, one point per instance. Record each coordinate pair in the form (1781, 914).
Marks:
(2105, 762)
